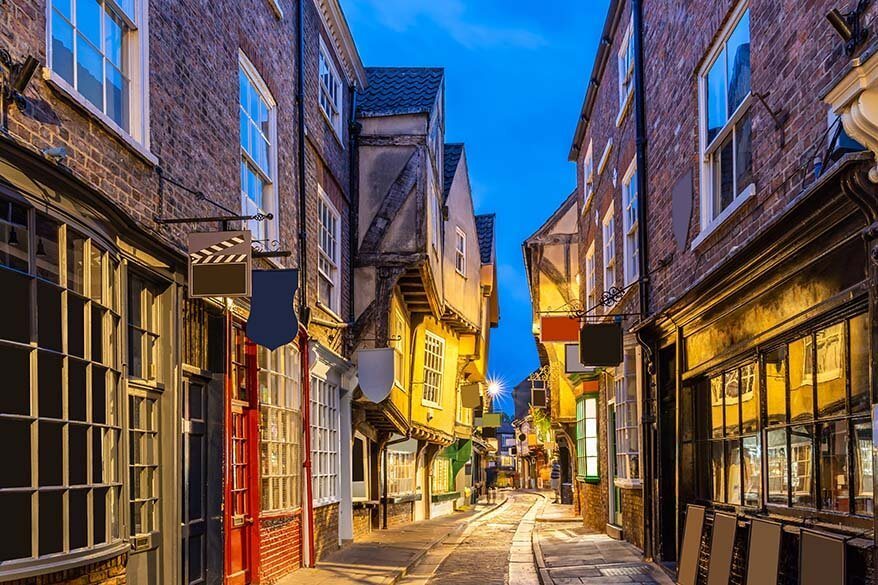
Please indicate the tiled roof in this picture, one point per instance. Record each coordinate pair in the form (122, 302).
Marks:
(400, 90)
(485, 229)
(450, 157)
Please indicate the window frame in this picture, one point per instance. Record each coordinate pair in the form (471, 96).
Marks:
(434, 370)
(400, 461)
(584, 435)
(630, 219)
(135, 58)
(460, 251)
(326, 442)
(625, 64)
(290, 375)
(324, 255)
(588, 176)
(266, 229)
(399, 341)
(335, 119)
(711, 218)
(608, 236)
(441, 462)
(591, 282)
(106, 302)
(625, 403)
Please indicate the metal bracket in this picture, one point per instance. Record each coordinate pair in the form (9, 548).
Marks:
(780, 117)
(850, 28)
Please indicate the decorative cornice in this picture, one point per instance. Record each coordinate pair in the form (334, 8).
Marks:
(854, 98)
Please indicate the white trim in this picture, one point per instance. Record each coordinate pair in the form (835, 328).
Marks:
(588, 177)
(460, 237)
(629, 231)
(325, 56)
(335, 301)
(275, 7)
(728, 212)
(605, 157)
(439, 355)
(591, 274)
(625, 46)
(609, 219)
(624, 110)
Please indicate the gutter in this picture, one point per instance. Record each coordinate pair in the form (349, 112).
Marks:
(303, 289)
(647, 416)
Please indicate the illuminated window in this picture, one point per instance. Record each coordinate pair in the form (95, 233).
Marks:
(280, 427)
(460, 252)
(609, 235)
(329, 274)
(434, 364)
(587, 454)
(324, 441)
(440, 476)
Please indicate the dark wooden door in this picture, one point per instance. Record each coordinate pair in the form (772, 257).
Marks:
(195, 457)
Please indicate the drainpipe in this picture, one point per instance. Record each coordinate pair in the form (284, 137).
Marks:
(303, 285)
(647, 415)
(353, 193)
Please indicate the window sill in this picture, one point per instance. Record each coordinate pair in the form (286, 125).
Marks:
(430, 404)
(329, 311)
(444, 497)
(584, 479)
(721, 219)
(335, 131)
(403, 498)
(625, 107)
(627, 484)
(61, 562)
(285, 513)
(61, 86)
(324, 503)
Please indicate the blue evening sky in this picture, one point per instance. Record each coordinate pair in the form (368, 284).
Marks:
(516, 74)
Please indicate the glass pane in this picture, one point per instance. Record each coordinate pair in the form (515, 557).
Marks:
(716, 97)
(88, 20)
(833, 466)
(77, 462)
(117, 97)
(47, 248)
(62, 48)
(733, 472)
(717, 465)
(75, 325)
(723, 177)
(738, 52)
(89, 72)
(51, 521)
(13, 235)
(75, 262)
(863, 468)
(831, 378)
(15, 394)
(50, 454)
(776, 385)
(801, 465)
(859, 352)
(98, 395)
(732, 400)
(49, 375)
(63, 6)
(76, 389)
(99, 515)
(77, 502)
(776, 452)
(749, 399)
(801, 380)
(716, 402)
(17, 462)
(113, 45)
(15, 326)
(95, 289)
(743, 153)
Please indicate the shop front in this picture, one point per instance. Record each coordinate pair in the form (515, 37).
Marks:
(762, 376)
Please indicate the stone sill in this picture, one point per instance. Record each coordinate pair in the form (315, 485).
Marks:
(436, 498)
(403, 498)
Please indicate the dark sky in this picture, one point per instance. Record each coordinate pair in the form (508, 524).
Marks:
(516, 74)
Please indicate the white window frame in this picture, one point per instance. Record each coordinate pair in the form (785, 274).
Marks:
(587, 176)
(401, 472)
(434, 369)
(626, 467)
(136, 61)
(335, 112)
(631, 248)
(435, 217)
(399, 341)
(710, 219)
(325, 442)
(282, 428)
(365, 485)
(330, 256)
(608, 233)
(268, 228)
(625, 62)
(460, 252)
(591, 283)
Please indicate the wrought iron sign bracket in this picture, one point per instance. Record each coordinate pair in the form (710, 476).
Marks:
(849, 26)
(779, 117)
(14, 79)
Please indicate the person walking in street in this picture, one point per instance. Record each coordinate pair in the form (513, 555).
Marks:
(556, 479)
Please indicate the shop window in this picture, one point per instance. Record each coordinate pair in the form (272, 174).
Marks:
(144, 332)
(587, 437)
(401, 466)
(68, 407)
(627, 446)
(143, 437)
(280, 428)
(360, 468)
(324, 441)
(440, 476)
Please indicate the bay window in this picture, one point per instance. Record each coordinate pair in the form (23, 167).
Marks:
(258, 137)
(96, 55)
(325, 443)
(280, 427)
(725, 121)
(60, 410)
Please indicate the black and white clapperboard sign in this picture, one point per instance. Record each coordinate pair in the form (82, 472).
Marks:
(220, 264)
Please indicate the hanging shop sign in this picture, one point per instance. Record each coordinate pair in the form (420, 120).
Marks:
(600, 344)
(272, 322)
(470, 396)
(559, 328)
(572, 364)
(220, 264)
(492, 420)
(375, 368)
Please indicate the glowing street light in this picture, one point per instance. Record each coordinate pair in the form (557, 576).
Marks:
(494, 389)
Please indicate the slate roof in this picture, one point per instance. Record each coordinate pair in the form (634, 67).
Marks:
(451, 157)
(485, 229)
(400, 90)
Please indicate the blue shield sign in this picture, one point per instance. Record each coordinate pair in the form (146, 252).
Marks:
(272, 321)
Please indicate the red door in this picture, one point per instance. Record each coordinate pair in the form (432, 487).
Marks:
(241, 496)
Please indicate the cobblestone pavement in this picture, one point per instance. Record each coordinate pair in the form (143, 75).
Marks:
(481, 555)
(568, 554)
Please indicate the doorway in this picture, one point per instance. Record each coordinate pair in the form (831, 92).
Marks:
(666, 448)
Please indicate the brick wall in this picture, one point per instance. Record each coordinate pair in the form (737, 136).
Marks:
(325, 530)
(632, 516)
(594, 515)
(363, 522)
(792, 66)
(111, 572)
(400, 513)
(280, 544)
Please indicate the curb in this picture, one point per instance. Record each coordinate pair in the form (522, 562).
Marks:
(458, 528)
